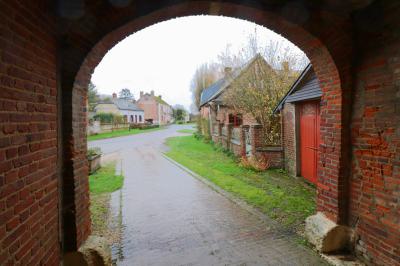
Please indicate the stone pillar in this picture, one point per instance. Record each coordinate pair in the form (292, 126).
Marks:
(228, 135)
(255, 138)
(243, 130)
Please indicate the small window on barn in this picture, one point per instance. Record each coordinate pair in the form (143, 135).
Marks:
(235, 119)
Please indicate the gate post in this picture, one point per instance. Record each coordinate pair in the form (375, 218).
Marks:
(228, 135)
(255, 138)
(243, 129)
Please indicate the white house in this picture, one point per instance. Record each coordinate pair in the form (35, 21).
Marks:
(124, 107)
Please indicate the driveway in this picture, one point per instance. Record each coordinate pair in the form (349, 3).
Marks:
(170, 218)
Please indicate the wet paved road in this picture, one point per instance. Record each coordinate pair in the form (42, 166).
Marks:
(171, 218)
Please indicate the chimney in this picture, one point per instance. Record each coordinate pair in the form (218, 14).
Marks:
(152, 93)
(114, 95)
(227, 71)
(141, 94)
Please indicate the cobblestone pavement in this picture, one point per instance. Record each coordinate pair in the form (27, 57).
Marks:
(171, 218)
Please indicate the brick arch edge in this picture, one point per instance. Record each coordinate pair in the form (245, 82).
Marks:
(328, 62)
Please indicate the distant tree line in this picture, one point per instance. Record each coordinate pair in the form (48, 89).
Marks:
(179, 112)
(94, 98)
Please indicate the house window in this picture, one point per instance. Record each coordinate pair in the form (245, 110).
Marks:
(131, 118)
(140, 118)
(235, 119)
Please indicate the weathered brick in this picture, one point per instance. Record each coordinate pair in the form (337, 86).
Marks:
(12, 224)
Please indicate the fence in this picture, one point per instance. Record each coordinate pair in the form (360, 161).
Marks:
(247, 140)
(96, 127)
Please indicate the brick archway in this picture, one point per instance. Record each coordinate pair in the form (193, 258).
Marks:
(330, 59)
(49, 48)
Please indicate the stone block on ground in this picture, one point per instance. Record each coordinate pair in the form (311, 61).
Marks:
(326, 235)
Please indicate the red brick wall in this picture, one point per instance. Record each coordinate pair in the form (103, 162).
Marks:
(223, 116)
(150, 108)
(28, 135)
(273, 155)
(288, 114)
(375, 182)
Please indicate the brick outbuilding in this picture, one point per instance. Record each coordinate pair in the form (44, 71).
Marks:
(49, 49)
(300, 120)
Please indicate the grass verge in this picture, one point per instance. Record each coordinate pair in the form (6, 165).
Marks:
(279, 196)
(190, 131)
(121, 133)
(101, 184)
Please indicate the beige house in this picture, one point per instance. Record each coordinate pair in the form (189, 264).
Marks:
(123, 107)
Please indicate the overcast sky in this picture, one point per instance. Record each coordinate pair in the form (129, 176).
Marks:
(164, 56)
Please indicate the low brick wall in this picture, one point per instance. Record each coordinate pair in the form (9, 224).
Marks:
(273, 154)
(234, 139)
(96, 128)
(215, 139)
(236, 148)
(225, 142)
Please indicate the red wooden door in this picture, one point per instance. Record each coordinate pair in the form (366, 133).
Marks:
(309, 139)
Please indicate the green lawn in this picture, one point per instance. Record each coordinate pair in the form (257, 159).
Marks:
(283, 198)
(186, 131)
(101, 184)
(105, 180)
(121, 133)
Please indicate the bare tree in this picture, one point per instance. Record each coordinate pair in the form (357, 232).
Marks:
(126, 94)
(227, 58)
(274, 51)
(264, 82)
(93, 96)
(204, 76)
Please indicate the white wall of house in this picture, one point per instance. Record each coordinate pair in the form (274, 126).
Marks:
(136, 117)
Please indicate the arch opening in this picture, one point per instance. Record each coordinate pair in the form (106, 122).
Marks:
(329, 67)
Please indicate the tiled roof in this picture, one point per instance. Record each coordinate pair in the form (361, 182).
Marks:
(209, 92)
(123, 104)
(305, 87)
